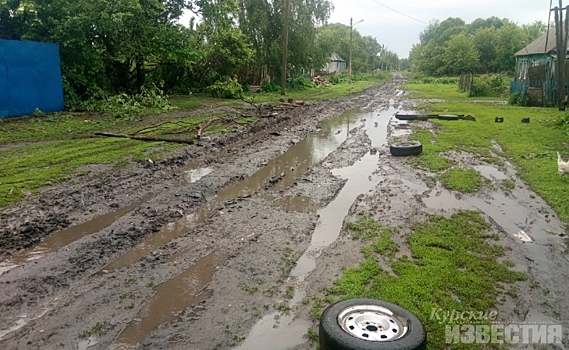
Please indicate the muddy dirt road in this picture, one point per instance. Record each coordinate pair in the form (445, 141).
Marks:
(217, 247)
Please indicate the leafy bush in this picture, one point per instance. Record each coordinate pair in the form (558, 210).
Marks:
(442, 80)
(492, 85)
(338, 78)
(516, 99)
(123, 105)
(300, 83)
(225, 89)
(269, 87)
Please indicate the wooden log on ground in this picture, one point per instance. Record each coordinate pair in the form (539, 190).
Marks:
(146, 138)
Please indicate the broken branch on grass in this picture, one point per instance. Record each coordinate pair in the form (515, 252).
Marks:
(145, 138)
(205, 125)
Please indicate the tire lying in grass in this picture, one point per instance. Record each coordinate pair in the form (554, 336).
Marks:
(406, 116)
(406, 148)
(367, 324)
(448, 117)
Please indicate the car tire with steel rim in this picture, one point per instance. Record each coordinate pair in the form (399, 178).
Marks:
(406, 148)
(370, 324)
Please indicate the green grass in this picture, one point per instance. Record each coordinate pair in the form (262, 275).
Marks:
(31, 167)
(462, 179)
(530, 146)
(367, 229)
(453, 265)
(428, 91)
(316, 93)
(57, 126)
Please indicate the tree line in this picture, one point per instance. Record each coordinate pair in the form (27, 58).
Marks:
(115, 46)
(452, 47)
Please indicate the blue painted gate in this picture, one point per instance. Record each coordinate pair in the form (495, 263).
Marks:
(30, 78)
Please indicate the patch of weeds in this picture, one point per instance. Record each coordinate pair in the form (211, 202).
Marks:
(238, 337)
(123, 295)
(286, 264)
(509, 263)
(513, 292)
(312, 335)
(365, 228)
(250, 289)
(130, 279)
(98, 329)
(283, 307)
(317, 307)
(305, 301)
(271, 291)
(507, 185)
(150, 283)
(289, 294)
(450, 258)
(464, 180)
(224, 310)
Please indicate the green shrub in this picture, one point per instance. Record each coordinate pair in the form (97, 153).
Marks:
(151, 97)
(491, 85)
(229, 88)
(269, 87)
(300, 83)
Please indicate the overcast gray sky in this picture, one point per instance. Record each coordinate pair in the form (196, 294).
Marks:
(398, 32)
(397, 24)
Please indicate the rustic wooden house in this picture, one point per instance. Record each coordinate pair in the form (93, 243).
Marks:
(535, 73)
(336, 65)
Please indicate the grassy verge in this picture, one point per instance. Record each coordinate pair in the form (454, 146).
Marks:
(532, 147)
(453, 265)
(308, 94)
(34, 166)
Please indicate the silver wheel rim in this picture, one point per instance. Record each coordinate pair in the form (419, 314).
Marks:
(372, 323)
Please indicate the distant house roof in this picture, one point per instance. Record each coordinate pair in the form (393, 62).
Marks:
(538, 45)
(336, 57)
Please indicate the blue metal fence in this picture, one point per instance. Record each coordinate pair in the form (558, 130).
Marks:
(30, 78)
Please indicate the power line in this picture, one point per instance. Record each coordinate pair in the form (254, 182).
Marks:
(401, 13)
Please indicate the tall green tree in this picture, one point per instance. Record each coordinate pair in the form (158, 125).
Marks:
(263, 23)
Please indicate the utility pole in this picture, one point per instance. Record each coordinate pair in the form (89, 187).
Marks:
(350, 68)
(285, 48)
(351, 31)
(561, 31)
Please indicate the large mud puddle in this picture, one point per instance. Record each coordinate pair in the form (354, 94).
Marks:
(284, 170)
(172, 297)
(361, 178)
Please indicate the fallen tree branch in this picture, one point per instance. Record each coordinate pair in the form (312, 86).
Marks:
(145, 138)
(205, 125)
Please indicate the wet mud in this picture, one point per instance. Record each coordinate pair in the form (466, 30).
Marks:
(217, 246)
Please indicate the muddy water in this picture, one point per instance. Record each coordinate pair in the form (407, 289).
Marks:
(291, 165)
(172, 297)
(68, 236)
(360, 180)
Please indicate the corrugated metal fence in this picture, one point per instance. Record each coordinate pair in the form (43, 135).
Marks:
(30, 78)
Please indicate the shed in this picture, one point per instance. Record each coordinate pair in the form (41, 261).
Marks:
(535, 72)
(336, 65)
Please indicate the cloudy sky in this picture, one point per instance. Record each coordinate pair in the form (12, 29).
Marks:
(397, 24)
(389, 21)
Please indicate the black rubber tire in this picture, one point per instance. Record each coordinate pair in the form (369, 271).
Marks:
(448, 117)
(333, 337)
(406, 148)
(406, 116)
